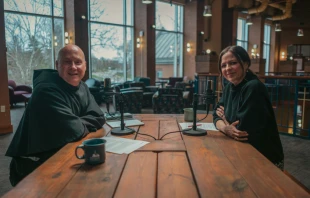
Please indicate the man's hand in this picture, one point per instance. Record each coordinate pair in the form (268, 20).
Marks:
(98, 134)
(233, 132)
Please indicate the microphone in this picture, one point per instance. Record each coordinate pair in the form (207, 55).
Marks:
(122, 130)
(194, 131)
(209, 96)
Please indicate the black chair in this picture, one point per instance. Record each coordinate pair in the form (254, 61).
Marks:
(96, 89)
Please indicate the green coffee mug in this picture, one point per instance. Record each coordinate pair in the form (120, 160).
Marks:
(94, 151)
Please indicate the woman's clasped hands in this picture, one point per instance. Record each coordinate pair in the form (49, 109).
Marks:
(231, 129)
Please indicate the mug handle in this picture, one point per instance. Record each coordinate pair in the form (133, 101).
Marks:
(81, 147)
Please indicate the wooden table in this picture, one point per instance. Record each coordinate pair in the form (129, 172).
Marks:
(177, 166)
(162, 82)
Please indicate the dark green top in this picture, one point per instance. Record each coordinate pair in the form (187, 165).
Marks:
(249, 103)
(57, 113)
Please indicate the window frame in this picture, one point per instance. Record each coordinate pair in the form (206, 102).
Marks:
(179, 17)
(244, 40)
(125, 26)
(267, 46)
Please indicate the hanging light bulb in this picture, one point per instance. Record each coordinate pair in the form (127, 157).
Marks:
(249, 20)
(207, 11)
(146, 1)
(278, 27)
(300, 32)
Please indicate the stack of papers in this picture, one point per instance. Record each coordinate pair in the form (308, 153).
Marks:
(205, 126)
(122, 145)
(114, 124)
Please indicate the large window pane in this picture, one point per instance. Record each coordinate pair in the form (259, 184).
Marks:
(168, 54)
(129, 12)
(129, 49)
(242, 33)
(108, 51)
(32, 39)
(29, 45)
(29, 6)
(169, 40)
(266, 48)
(58, 8)
(169, 17)
(111, 11)
(111, 40)
(58, 35)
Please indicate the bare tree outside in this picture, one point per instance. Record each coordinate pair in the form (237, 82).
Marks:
(34, 36)
(111, 39)
(30, 38)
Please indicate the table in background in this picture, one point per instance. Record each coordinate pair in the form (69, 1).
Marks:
(26, 98)
(162, 82)
(178, 166)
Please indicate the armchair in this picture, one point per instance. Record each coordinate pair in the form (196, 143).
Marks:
(148, 92)
(16, 92)
(145, 80)
(188, 92)
(96, 89)
(173, 80)
(133, 99)
(168, 100)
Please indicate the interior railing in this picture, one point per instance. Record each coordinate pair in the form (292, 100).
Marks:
(290, 97)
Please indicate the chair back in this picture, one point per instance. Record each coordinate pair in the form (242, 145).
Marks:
(168, 100)
(145, 80)
(132, 101)
(12, 83)
(173, 80)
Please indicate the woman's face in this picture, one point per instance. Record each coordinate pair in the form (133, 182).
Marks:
(231, 68)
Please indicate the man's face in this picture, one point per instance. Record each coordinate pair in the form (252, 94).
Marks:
(71, 65)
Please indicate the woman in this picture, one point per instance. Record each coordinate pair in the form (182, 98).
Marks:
(244, 112)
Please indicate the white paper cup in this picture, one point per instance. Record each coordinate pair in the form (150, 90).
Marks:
(188, 114)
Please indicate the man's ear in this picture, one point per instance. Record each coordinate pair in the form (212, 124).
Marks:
(57, 65)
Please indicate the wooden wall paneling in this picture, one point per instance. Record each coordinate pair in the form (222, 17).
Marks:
(5, 117)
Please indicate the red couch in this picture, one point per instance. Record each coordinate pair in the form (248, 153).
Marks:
(16, 92)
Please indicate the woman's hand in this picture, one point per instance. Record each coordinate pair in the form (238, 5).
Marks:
(220, 112)
(233, 132)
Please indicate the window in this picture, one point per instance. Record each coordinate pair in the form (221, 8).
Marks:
(111, 39)
(169, 40)
(242, 33)
(34, 32)
(266, 49)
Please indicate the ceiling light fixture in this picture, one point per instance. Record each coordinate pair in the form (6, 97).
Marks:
(146, 1)
(207, 11)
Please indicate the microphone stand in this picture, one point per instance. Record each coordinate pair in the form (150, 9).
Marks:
(122, 130)
(194, 131)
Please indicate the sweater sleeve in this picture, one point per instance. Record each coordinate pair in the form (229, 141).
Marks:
(93, 117)
(220, 103)
(253, 112)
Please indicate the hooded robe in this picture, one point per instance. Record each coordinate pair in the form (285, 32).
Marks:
(57, 113)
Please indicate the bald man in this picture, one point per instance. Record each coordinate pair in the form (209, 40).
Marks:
(61, 110)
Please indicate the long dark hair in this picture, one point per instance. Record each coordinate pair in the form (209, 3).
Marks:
(240, 53)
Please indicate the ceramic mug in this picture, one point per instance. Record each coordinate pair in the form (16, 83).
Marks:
(94, 151)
